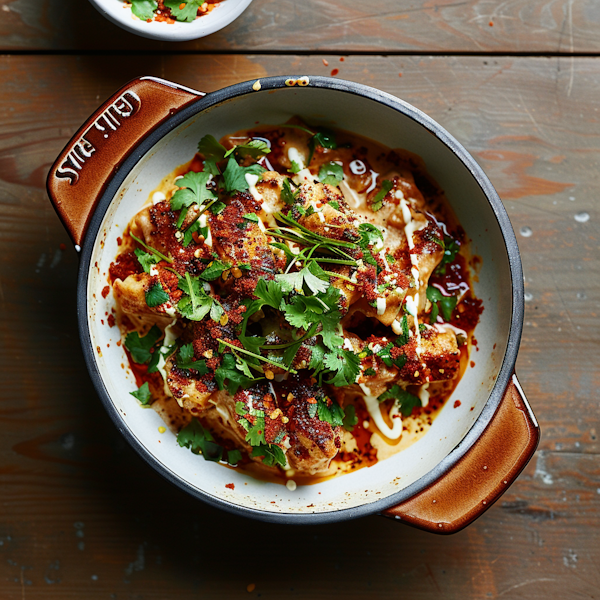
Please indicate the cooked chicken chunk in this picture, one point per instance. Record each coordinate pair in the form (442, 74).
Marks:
(313, 442)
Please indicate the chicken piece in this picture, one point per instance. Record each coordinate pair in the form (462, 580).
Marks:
(240, 241)
(155, 225)
(326, 220)
(313, 443)
(192, 392)
(260, 402)
(269, 190)
(437, 359)
(252, 418)
(130, 295)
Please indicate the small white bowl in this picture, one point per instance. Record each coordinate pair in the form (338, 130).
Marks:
(223, 14)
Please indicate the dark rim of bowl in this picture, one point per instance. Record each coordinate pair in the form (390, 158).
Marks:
(510, 356)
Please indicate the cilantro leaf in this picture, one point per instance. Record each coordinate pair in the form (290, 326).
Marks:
(156, 296)
(312, 275)
(192, 190)
(234, 457)
(256, 433)
(385, 355)
(447, 304)
(346, 366)
(188, 13)
(185, 360)
(332, 414)
(405, 400)
(377, 203)
(404, 338)
(252, 343)
(433, 294)
(317, 356)
(139, 347)
(234, 176)
(324, 138)
(270, 293)
(272, 455)
(146, 259)
(251, 217)
(214, 270)
(435, 311)
(295, 167)
(228, 372)
(211, 149)
(195, 303)
(143, 394)
(302, 311)
(287, 194)
(350, 418)
(370, 235)
(144, 9)
(331, 173)
(451, 249)
(199, 441)
(254, 148)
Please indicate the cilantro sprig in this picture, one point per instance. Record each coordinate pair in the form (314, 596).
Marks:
(446, 304)
(143, 394)
(451, 248)
(331, 173)
(139, 347)
(192, 190)
(404, 399)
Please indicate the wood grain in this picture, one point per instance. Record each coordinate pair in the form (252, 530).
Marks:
(379, 26)
(83, 517)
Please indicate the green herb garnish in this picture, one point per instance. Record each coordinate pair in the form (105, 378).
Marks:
(200, 441)
(143, 394)
(405, 400)
(156, 296)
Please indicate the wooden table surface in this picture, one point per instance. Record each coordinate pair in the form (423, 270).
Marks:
(83, 517)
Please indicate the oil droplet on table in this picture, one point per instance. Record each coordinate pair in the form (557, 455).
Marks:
(582, 217)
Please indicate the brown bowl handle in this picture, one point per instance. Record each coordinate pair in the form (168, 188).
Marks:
(78, 177)
(482, 475)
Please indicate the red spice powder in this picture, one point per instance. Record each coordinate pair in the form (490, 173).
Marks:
(230, 486)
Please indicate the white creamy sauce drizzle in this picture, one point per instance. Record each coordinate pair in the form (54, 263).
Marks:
(252, 180)
(444, 327)
(384, 259)
(352, 197)
(373, 185)
(302, 176)
(295, 156)
(348, 345)
(412, 303)
(424, 395)
(204, 223)
(374, 410)
(169, 340)
(158, 197)
(358, 167)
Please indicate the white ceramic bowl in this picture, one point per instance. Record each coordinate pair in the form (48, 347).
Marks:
(471, 453)
(223, 14)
